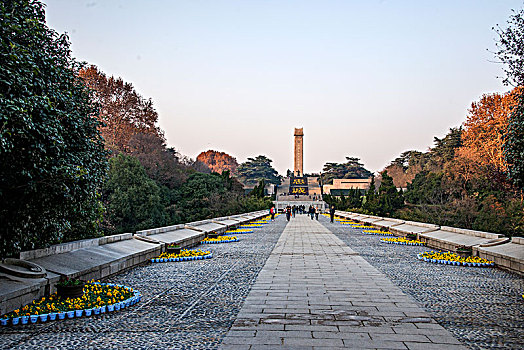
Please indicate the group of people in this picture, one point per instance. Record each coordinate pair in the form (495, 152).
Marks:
(301, 209)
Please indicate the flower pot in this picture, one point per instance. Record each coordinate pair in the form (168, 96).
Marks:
(70, 291)
(3, 321)
(33, 318)
(88, 312)
(110, 308)
(52, 316)
(44, 317)
(15, 321)
(78, 313)
(24, 319)
(103, 309)
(61, 315)
(117, 306)
(96, 311)
(70, 314)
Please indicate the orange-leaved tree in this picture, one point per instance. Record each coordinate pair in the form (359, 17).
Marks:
(218, 161)
(485, 127)
(124, 112)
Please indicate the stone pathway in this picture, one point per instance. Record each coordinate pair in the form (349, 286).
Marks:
(313, 283)
(314, 292)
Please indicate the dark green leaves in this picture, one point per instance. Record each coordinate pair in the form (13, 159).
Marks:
(51, 153)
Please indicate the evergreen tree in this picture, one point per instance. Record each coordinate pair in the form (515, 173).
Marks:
(256, 169)
(52, 155)
(258, 191)
(514, 145)
(352, 169)
(389, 199)
(371, 202)
(134, 201)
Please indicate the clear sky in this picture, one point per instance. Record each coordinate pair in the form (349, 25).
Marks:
(366, 78)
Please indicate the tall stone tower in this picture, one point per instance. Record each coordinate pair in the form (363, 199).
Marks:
(299, 152)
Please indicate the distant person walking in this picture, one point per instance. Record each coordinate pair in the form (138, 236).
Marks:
(317, 210)
(332, 213)
(272, 212)
(311, 211)
(294, 210)
(288, 212)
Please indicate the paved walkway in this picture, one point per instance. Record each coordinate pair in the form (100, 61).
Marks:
(314, 292)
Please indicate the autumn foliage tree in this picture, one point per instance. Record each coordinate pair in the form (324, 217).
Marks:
(123, 111)
(218, 161)
(485, 127)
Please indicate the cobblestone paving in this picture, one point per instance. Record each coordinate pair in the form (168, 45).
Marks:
(186, 305)
(482, 307)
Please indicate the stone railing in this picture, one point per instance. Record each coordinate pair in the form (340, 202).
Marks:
(507, 253)
(98, 258)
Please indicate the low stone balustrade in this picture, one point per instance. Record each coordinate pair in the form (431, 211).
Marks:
(507, 254)
(98, 258)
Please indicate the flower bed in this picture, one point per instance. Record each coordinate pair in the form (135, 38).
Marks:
(377, 232)
(450, 258)
(401, 241)
(259, 222)
(238, 231)
(185, 255)
(346, 222)
(250, 226)
(98, 298)
(219, 239)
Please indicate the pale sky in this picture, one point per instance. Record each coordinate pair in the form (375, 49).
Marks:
(367, 78)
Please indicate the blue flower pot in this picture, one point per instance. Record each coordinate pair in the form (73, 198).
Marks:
(52, 316)
(70, 314)
(78, 313)
(88, 312)
(110, 308)
(33, 318)
(103, 309)
(3, 321)
(117, 307)
(24, 319)
(96, 311)
(15, 321)
(43, 318)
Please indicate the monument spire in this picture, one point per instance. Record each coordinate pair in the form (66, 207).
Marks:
(299, 152)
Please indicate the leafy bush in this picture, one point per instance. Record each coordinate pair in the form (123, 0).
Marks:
(52, 155)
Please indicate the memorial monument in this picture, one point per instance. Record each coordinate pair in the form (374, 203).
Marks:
(299, 152)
